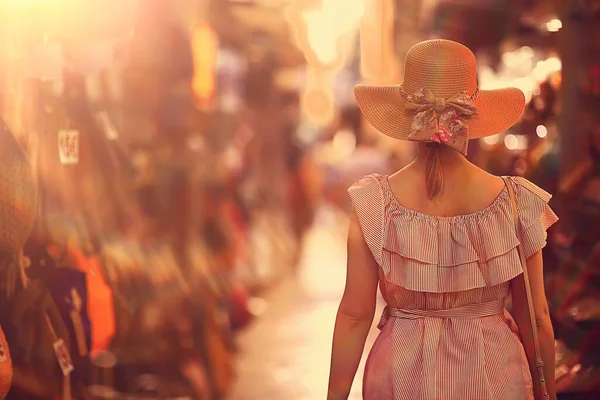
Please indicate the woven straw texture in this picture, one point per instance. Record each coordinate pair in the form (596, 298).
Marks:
(18, 194)
(446, 68)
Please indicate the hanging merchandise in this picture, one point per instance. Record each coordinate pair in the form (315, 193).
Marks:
(100, 307)
(216, 349)
(204, 45)
(18, 195)
(63, 356)
(107, 125)
(68, 146)
(231, 70)
(69, 292)
(214, 303)
(239, 309)
(17, 214)
(156, 348)
(38, 335)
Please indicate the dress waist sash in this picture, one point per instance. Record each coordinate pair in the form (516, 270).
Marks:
(469, 311)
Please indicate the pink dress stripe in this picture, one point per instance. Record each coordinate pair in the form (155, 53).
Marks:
(444, 334)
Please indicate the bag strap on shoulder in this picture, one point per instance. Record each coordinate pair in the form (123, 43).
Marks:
(539, 362)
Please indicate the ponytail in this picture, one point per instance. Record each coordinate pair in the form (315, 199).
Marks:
(433, 168)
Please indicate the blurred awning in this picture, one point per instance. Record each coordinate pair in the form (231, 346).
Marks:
(486, 26)
(257, 27)
(492, 21)
(68, 20)
(40, 37)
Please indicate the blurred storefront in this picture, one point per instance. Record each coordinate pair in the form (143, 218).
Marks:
(153, 129)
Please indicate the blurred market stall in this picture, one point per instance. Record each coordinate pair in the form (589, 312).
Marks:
(147, 123)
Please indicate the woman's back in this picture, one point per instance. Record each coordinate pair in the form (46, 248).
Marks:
(441, 241)
(445, 279)
(467, 188)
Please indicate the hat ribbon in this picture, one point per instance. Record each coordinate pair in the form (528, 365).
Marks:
(441, 120)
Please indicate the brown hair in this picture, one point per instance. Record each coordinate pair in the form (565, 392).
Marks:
(433, 168)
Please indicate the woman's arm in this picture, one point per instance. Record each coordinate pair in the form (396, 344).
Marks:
(355, 314)
(544, 326)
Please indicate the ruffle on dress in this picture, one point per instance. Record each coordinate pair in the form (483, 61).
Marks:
(447, 254)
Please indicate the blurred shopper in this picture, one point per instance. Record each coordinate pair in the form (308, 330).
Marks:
(300, 171)
(571, 193)
(299, 200)
(583, 202)
(447, 242)
(545, 172)
(367, 157)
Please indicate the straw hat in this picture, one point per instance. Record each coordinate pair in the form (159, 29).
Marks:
(18, 194)
(436, 73)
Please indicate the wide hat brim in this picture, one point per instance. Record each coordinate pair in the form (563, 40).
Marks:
(383, 107)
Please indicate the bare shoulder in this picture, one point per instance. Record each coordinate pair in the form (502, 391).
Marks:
(406, 177)
(467, 189)
(486, 181)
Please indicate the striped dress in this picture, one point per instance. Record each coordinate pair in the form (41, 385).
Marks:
(444, 333)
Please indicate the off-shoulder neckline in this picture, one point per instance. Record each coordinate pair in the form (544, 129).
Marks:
(473, 215)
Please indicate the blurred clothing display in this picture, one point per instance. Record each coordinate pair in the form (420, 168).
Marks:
(99, 302)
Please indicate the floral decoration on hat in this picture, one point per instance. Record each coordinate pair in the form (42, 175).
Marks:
(441, 120)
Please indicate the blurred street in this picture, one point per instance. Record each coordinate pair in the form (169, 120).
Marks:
(174, 179)
(285, 354)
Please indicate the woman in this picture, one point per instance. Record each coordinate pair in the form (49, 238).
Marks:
(439, 238)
